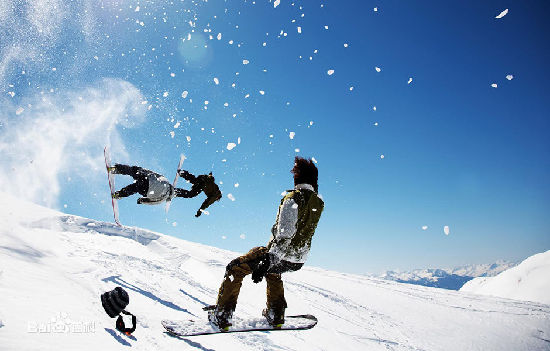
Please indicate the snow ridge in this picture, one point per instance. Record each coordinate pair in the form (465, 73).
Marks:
(528, 281)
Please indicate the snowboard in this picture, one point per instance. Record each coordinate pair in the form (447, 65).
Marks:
(111, 179)
(184, 328)
(169, 201)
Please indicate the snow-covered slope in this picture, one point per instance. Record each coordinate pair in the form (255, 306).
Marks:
(452, 279)
(529, 281)
(53, 268)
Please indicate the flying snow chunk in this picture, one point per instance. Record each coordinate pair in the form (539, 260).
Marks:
(231, 146)
(262, 92)
(299, 30)
(184, 94)
(296, 150)
(177, 125)
(502, 14)
(231, 197)
(165, 94)
(494, 85)
(217, 81)
(509, 77)
(276, 3)
(188, 138)
(172, 134)
(446, 230)
(375, 9)
(219, 37)
(224, 237)
(410, 80)
(291, 135)
(236, 185)
(19, 110)
(137, 9)
(424, 227)
(242, 236)
(382, 157)
(330, 72)
(174, 224)
(378, 69)
(246, 62)
(314, 160)
(374, 108)
(346, 45)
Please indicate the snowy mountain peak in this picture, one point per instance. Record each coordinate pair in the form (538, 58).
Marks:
(528, 281)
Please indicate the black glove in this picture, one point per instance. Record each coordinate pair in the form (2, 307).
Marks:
(260, 271)
(199, 212)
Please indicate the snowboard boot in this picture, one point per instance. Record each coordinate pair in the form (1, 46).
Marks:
(275, 317)
(219, 318)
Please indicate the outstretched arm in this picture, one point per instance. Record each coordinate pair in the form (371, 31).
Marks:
(195, 190)
(187, 176)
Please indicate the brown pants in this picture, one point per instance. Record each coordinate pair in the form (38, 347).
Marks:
(240, 268)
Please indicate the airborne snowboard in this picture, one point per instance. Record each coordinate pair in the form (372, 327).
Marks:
(185, 328)
(169, 201)
(111, 178)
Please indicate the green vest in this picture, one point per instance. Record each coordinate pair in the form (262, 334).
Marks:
(295, 248)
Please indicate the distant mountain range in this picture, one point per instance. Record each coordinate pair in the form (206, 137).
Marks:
(451, 279)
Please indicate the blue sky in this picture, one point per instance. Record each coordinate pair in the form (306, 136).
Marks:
(456, 151)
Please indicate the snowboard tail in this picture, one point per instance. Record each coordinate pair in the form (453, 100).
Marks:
(111, 179)
(183, 328)
(169, 201)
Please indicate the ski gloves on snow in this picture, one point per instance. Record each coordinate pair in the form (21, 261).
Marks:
(114, 302)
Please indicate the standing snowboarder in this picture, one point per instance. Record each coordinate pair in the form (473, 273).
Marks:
(202, 183)
(287, 250)
(153, 187)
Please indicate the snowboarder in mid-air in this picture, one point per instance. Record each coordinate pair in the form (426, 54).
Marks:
(155, 188)
(287, 250)
(201, 183)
